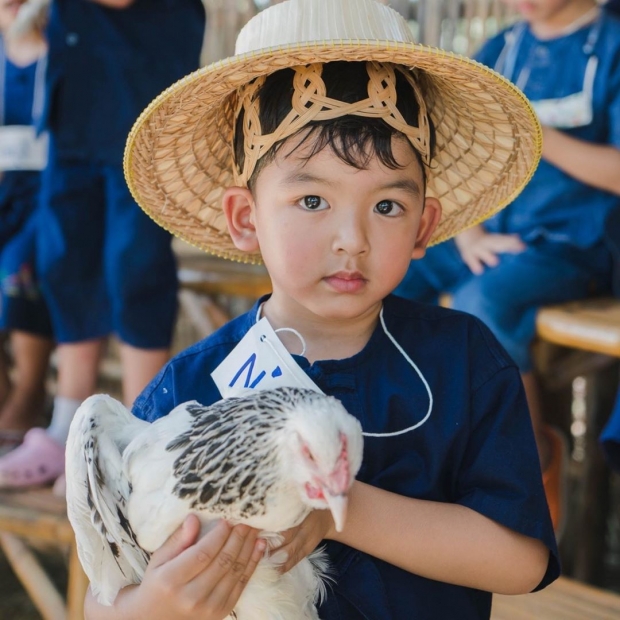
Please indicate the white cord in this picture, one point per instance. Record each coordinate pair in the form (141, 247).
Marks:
(394, 342)
(423, 379)
(294, 331)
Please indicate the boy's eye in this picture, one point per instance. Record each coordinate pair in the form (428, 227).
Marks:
(388, 207)
(314, 203)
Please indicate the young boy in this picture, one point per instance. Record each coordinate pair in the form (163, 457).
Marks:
(315, 151)
(549, 245)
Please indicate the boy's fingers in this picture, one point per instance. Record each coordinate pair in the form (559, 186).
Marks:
(234, 580)
(257, 554)
(219, 577)
(207, 551)
(182, 538)
(216, 552)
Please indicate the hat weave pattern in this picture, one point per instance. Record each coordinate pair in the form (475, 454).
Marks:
(311, 103)
(179, 156)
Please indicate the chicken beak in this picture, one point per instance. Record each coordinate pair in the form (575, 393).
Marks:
(338, 507)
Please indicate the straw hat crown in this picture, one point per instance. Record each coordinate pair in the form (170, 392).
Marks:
(304, 21)
(179, 156)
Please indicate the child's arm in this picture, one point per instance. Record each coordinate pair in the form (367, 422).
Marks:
(441, 541)
(594, 164)
(189, 579)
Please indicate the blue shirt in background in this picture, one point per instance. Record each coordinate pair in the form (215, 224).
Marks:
(476, 449)
(106, 65)
(554, 204)
(19, 82)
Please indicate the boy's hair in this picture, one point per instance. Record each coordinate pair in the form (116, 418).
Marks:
(353, 139)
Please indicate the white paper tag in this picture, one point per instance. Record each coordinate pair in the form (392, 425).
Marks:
(22, 149)
(259, 362)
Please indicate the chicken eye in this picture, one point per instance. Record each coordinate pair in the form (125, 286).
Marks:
(313, 203)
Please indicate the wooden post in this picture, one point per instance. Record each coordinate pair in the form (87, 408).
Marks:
(593, 495)
(77, 587)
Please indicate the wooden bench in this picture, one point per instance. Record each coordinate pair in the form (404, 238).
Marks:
(38, 517)
(207, 281)
(589, 325)
(564, 599)
(586, 342)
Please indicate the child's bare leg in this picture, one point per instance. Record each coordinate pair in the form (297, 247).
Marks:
(78, 367)
(40, 459)
(139, 367)
(26, 402)
(532, 393)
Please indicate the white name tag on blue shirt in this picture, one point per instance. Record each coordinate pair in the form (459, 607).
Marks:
(22, 149)
(259, 362)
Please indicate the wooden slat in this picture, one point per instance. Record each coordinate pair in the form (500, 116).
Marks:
(35, 514)
(591, 325)
(565, 599)
(35, 580)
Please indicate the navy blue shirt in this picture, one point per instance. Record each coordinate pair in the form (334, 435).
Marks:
(476, 449)
(554, 204)
(106, 65)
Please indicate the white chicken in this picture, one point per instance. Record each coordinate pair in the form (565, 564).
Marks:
(265, 459)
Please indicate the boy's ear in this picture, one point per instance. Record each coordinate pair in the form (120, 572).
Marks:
(238, 206)
(428, 222)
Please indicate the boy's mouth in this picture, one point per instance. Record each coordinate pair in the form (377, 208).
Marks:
(346, 281)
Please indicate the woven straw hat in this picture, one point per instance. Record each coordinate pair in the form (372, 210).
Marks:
(178, 159)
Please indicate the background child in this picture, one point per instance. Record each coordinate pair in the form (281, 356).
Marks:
(23, 313)
(324, 168)
(549, 245)
(104, 266)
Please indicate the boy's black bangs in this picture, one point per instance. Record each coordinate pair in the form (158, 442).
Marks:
(354, 140)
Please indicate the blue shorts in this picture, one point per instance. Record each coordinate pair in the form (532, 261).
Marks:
(22, 306)
(508, 296)
(104, 266)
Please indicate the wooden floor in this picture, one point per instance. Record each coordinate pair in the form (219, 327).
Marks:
(563, 600)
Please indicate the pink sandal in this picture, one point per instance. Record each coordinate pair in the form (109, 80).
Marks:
(9, 440)
(38, 461)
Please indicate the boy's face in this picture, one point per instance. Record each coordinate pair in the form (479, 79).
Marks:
(335, 240)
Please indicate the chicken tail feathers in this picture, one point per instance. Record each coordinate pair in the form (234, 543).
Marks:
(97, 494)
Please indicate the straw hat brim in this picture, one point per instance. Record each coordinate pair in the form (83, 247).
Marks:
(178, 159)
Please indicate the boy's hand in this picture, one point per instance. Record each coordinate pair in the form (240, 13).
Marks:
(479, 248)
(302, 540)
(197, 579)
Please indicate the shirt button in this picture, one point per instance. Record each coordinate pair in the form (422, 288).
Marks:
(72, 39)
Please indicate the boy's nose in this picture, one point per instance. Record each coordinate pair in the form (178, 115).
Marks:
(351, 236)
